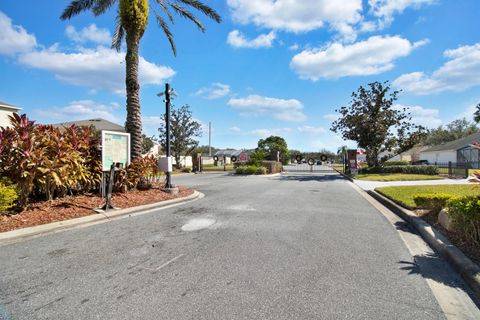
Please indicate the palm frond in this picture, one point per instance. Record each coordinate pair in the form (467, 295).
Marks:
(101, 6)
(167, 32)
(118, 35)
(161, 3)
(206, 10)
(75, 7)
(187, 14)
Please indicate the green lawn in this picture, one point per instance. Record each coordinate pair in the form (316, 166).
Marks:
(404, 195)
(394, 177)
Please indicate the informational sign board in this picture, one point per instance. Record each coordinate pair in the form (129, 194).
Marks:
(243, 157)
(352, 161)
(115, 148)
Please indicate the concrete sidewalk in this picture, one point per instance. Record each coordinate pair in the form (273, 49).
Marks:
(371, 185)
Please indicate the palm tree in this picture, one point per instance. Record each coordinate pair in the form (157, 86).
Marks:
(131, 22)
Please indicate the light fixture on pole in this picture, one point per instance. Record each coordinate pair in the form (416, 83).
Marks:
(168, 93)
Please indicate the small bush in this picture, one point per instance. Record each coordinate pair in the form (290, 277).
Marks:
(8, 195)
(396, 163)
(427, 170)
(251, 170)
(465, 214)
(261, 170)
(434, 201)
(187, 170)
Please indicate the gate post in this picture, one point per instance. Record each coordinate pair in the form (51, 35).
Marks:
(449, 168)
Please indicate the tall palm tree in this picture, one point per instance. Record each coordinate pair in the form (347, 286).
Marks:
(131, 22)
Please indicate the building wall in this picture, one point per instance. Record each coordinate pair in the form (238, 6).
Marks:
(439, 156)
(4, 121)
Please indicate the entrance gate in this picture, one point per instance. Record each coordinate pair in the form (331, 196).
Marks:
(305, 167)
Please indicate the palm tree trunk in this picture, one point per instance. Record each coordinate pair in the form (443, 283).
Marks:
(133, 124)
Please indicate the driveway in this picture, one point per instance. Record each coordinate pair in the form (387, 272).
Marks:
(294, 246)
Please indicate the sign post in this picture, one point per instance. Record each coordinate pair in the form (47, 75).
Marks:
(352, 161)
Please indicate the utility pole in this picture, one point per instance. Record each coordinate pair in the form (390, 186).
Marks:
(168, 92)
(168, 185)
(209, 139)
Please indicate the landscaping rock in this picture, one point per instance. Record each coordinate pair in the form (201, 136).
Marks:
(445, 220)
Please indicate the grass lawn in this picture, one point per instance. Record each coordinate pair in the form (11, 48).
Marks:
(394, 177)
(404, 195)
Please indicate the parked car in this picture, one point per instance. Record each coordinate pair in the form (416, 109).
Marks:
(421, 162)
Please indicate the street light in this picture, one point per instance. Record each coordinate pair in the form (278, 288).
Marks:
(168, 92)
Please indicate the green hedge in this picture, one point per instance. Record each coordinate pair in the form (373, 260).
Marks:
(428, 170)
(396, 163)
(465, 214)
(251, 170)
(8, 195)
(435, 201)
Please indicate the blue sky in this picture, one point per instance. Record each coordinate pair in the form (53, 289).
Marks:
(271, 67)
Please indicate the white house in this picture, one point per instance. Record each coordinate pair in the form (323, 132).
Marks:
(454, 151)
(5, 111)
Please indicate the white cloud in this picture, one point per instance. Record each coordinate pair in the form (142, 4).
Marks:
(461, 72)
(14, 39)
(152, 120)
(90, 33)
(296, 16)
(469, 111)
(372, 56)
(427, 117)
(238, 40)
(294, 47)
(280, 109)
(311, 130)
(81, 110)
(331, 116)
(235, 129)
(100, 68)
(217, 90)
(385, 9)
(263, 133)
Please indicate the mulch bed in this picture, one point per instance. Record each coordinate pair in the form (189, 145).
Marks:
(65, 208)
(469, 249)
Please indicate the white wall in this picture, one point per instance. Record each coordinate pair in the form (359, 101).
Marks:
(4, 121)
(439, 156)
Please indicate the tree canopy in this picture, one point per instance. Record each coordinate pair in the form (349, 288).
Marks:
(271, 145)
(183, 131)
(371, 119)
(454, 130)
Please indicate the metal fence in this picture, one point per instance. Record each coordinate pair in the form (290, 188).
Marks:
(456, 169)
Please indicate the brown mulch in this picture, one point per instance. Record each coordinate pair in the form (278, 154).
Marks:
(65, 208)
(471, 250)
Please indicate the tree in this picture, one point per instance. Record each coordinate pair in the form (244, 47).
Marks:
(131, 23)
(147, 143)
(476, 114)
(183, 130)
(273, 144)
(371, 119)
(454, 130)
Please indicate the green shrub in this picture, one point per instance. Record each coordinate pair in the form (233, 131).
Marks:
(250, 170)
(465, 214)
(396, 163)
(435, 201)
(8, 195)
(261, 170)
(427, 170)
(187, 170)
(240, 170)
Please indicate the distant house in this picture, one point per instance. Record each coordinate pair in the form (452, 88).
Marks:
(410, 155)
(5, 111)
(455, 151)
(99, 124)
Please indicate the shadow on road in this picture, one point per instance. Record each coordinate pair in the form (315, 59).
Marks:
(310, 177)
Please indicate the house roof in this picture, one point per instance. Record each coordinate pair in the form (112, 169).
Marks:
(228, 153)
(5, 105)
(98, 123)
(414, 150)
(456, 144)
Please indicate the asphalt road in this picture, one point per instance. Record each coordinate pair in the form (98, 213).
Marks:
(295, 246)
